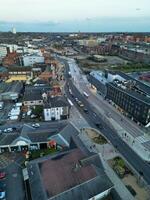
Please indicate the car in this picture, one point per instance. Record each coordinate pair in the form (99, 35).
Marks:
(36, 125)
(76, 99)
(99, 125)
(23, 115)
(95, 115)
(80, 104)
(33, 116)
(2, 175)
(85, 110)
(2, 194)
(8, 130)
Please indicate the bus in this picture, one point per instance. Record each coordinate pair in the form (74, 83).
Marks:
(85, 94)
(70, 102)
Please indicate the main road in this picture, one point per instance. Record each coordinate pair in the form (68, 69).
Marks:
(141, 167)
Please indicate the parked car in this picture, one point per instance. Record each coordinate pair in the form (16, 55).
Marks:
(23, 115)
(8, 130)
(36, 125)
(2, 195)
(33, 116)
(2, 175)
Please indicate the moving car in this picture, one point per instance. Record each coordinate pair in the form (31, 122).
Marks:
(99, 125)
(85, 110)
(80, 104)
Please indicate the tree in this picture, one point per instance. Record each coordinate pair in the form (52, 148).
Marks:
(38, 110)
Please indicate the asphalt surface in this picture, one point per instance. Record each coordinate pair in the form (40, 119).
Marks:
(14, 183)
(142, 167)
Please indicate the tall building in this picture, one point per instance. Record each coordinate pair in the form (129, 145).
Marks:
(14, 30)
(3, 51)
(130, 96)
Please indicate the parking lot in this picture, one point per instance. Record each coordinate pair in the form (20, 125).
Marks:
(11, 178)
(4, 111)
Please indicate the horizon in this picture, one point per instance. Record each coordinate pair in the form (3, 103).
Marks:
(75, 15)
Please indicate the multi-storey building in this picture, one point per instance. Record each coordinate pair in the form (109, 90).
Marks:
(3, 52)
(132, 97)
(131, 100)
(31, 59)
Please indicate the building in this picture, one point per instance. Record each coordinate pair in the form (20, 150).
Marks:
(56, 108)
(14, 30)
(31, 59)
(131, 99)
(11, 59)
(3, 51)
(32, 140)
(11, 91)
(33, 96)
(129, 95)
(19, 73)
(73, 174)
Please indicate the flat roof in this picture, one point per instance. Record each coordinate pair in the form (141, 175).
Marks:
(132, 93)
(142, 86)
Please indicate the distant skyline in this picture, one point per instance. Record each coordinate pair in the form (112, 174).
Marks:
(75, 15)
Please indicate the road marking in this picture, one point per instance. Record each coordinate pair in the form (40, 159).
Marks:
(29, 126)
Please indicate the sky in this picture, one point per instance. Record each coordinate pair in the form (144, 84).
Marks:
(75, 15)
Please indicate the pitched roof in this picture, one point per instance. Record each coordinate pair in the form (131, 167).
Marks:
(58, 101)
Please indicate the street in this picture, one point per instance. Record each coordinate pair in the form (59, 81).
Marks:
(134, 160)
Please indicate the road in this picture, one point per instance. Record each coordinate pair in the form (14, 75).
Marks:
(83, 85)
(142, 167)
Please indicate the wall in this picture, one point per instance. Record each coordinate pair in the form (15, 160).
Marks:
(33, 103)
(30, 60)
(54, 113)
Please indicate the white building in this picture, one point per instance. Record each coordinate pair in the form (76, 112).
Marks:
(14, 30)
(3, 51)
(30, 60)
(56, 108)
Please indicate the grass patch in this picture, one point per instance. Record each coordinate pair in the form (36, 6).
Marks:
(99, 140)
(41, 153)
(120, 167)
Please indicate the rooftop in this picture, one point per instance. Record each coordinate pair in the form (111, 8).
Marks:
(35, 92)
(57, 101)
(76, 173)
(132, 89)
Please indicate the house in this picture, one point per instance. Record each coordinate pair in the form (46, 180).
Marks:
(35, 139)
(34, 95)
(11, 91)
(56, 108)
